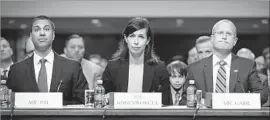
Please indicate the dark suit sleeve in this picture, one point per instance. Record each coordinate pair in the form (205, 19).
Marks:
(79, 86)
(161, 79)
(255, 84)
(11, 78)
(108, 79)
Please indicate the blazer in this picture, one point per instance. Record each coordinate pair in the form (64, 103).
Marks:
(167, 96)
(22, 79)
(243, 76)
(116, 73)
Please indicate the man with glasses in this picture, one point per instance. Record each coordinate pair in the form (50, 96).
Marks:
(224, 72)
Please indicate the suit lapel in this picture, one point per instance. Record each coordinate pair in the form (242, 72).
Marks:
(123, 74)
(57, 69)
(30, 70)
(148, 75)
(233, 73)
(208, 74)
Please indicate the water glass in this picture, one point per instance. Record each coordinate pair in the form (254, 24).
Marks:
(89, 98)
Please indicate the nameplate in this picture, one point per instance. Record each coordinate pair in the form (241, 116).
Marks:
(236, 101)
(38, 100)
(135, 100)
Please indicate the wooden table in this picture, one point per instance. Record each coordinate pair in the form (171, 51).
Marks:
(133, 114)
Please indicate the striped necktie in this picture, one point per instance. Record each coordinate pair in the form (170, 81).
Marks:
(221, 78)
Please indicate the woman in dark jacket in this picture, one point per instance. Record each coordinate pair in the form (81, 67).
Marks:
(135, 67)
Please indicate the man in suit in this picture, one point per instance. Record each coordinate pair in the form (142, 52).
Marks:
(224, 72)
(75, 49)
(45, 71)
(192, 55)
(6, 61)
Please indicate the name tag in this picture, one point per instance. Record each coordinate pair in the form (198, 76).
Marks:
(135, 100)
(236, 101)
(38, 100)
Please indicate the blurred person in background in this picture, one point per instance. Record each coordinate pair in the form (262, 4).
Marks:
(246, 53)
(266, 55)
(176, 58)
(95, 58)
(192, 55)
(29, 48)
(6, 61)
(204, 47)
(103, 63)
(135, 67)
(175, 92)
(75, 49)
(261, 68)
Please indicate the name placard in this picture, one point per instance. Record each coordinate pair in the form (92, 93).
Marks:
(236, 101)
(135, 100)
(38, 100)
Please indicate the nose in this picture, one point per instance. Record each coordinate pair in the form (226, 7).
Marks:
(42, 33)
(224, 36)
(136, 41)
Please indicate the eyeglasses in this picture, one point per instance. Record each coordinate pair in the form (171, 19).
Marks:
(221, 33)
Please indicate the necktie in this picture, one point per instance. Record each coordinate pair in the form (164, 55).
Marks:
(5, 73)
(177, 98)
(42, 77)
(221, 78)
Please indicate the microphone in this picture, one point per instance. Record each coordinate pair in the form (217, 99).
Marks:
(59, 85)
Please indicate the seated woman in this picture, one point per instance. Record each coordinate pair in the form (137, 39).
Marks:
(135, 67)
(175, 93)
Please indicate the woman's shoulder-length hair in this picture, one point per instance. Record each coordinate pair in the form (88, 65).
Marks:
(133, 25)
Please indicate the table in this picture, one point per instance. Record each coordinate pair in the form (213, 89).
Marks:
(133, 114)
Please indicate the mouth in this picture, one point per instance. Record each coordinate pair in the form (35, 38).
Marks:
(42, 39)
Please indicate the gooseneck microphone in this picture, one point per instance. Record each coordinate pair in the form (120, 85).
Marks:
(59, 85)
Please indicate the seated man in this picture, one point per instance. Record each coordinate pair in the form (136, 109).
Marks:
(175, 93)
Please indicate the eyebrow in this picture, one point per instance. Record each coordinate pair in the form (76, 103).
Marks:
(43, 27)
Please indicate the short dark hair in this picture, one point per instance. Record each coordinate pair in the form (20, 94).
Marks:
(42, 17)
(74, 36)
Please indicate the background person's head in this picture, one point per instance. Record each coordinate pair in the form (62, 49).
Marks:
(246, 53)
(137, 39)
(266, 55)
(42, 33)
(204, 47)
(75, 47)
(260, 63)
(29, 47)
(6, 51)
(224, 36)
(178, 72)
(192, 55)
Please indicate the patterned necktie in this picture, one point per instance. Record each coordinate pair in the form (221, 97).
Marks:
(221, 78)
(177, 97)
(42, 77)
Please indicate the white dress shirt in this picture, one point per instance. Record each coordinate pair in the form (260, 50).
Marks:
(48, 64)
(2, 70)
(135, 79)
(227, 67)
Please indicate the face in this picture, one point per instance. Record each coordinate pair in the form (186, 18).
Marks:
(192, 56)
(75, 49)
(42, 34)
(176, 80)
(29, 47)
(224, 37)
(267, 60)
(5, 50)
(260, 65)
(137, 41)
(204, 49)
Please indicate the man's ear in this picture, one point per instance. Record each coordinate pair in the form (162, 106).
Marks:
(53, 35)
(235, 41)
(65, 50)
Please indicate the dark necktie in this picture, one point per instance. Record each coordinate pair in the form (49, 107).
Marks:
(221, 78)
(177, 97)
(42, 77)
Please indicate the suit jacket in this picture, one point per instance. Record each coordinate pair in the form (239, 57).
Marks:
(167, 96)
(243, 76)
(22, 79)
(91, 71)
(115, 77)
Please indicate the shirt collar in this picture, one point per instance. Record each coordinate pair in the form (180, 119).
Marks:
(228, 60)
(1, 69)
(49, 57)
(174, 92)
